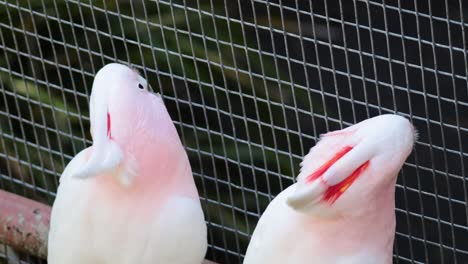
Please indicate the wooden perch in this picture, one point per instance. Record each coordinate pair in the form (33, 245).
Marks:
(24, 224)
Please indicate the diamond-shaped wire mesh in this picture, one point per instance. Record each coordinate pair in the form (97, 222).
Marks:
(250, 85)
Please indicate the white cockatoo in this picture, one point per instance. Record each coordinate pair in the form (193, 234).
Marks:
(341, 209)
(130, 197)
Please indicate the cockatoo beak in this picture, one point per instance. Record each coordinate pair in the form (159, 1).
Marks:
(106, 155)
(333, 178)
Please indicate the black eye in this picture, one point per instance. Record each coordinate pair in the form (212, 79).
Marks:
(141, 86)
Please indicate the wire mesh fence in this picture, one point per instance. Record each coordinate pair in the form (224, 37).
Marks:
(250, 86)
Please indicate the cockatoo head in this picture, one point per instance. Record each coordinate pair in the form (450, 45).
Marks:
(350, 169)
(124, 116)
(116, 86)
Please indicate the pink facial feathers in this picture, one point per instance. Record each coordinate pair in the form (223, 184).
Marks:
(341, 210)
(131, 196)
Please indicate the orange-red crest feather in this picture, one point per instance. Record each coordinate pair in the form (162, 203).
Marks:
(335, 191)
(332, 193)
(322, 169)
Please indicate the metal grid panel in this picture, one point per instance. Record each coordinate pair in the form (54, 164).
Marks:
(250, 86)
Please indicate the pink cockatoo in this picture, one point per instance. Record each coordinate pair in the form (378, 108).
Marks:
(131, 196)
(341, 209)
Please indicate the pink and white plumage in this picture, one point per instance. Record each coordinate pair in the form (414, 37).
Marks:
(130, 197)
(341, 210)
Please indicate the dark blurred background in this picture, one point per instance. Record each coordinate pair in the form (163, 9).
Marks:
(250, 85)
